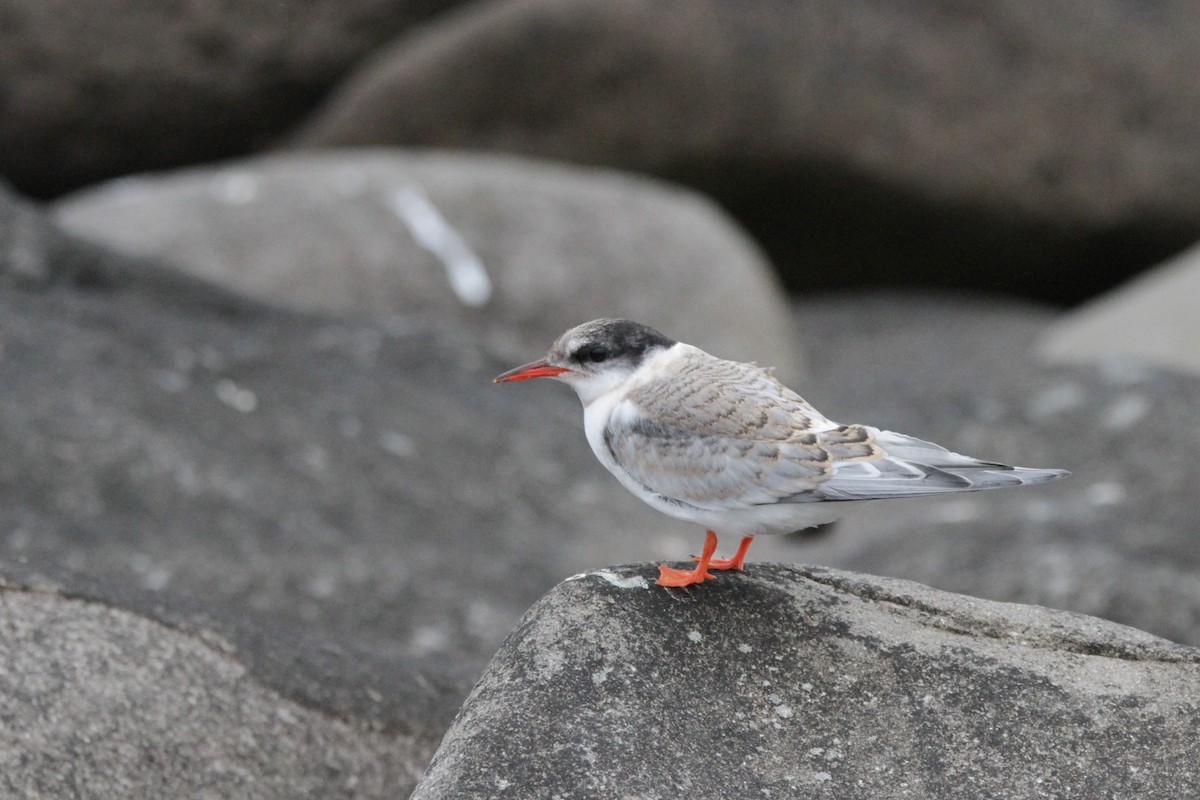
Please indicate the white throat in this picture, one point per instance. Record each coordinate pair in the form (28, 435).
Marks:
(618, 382)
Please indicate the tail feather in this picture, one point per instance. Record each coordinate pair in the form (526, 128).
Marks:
(912, 467)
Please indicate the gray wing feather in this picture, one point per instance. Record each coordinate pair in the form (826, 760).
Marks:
(911, 467)
(719, 435)
(726, 435)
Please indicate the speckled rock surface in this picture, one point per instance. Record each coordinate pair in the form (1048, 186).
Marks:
(359, 517)
(103, 702)
(805, 682)
(358, 483)
(560, 245)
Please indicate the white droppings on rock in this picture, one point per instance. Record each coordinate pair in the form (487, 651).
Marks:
(398, 444)
(236, 397)
(429, 639)
(619, 581)
(808, 687)
(157, 579)
(321, 585)
(695, 636)
(316, 458)
(1105, 493)
(601, 675)
(171, 381)
(784, 710)
(1054, 401)
(822, 777)
(1127, 411)
(744, 648)
(465, 271)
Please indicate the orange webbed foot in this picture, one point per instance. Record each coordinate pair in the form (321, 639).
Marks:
(669, 576)
(734, 563)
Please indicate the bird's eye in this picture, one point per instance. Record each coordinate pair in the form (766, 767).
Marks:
(594, 353)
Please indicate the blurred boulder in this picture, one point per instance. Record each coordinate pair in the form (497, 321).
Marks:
(515, 250)
(362, 484)
(114, 702)
(1115, 540)
(800, 682)
(355, 481)
(1048, 152)
(98, 89)
(1155, 319)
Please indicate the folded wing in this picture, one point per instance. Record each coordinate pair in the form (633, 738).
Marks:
(910, 467)
(733, 437)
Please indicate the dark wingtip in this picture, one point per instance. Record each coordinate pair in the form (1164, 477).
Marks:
(1034, 476)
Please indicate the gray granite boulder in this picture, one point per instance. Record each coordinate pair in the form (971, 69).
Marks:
(98, 89)
(359, 482)
(1154, 319)
(362, 484)
(805, 682)
(126, 682)
(863, 143)
(1117, 540)
(515, 250)
(141, 698)
(350, 517)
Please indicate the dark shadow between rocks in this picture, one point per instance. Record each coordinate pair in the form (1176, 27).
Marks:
(829, 227)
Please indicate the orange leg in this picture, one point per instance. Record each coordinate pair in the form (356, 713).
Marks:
(731, 563)
(669, 576)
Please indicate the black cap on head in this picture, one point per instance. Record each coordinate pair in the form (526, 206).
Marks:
(611, 339)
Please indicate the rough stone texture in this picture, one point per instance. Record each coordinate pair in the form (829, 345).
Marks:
(358, 483)
(101, 702)
(560, 245)
(1154, 318)
(862, 142)
(93, 90)
(799, 682)
(371, 697)
(353, 483)
(306, 490)
(1116, 540)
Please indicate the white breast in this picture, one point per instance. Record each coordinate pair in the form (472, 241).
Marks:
(754, 520)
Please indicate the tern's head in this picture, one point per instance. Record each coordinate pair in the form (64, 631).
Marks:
(595, 356)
